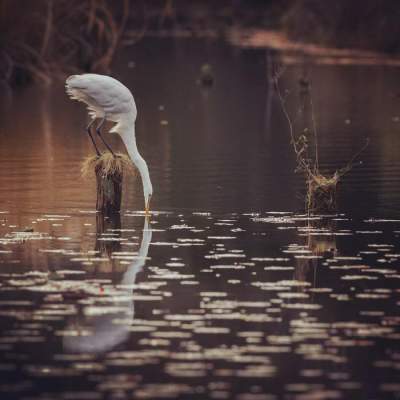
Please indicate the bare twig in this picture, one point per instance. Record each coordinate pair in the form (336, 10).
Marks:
(48, 28)
(314, 128)
(299, 144)
(341, 172)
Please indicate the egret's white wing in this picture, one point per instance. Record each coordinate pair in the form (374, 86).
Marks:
(105, 96)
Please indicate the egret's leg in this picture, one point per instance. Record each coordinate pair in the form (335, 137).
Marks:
(98, 131)
(91, 137)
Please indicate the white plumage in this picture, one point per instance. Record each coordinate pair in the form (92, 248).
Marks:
(104, 95)
(109, 99)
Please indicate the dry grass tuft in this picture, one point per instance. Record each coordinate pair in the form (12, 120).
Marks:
(107, 165)
(321, 193)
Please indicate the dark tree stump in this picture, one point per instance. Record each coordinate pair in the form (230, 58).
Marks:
(109, 190)
(109, 170)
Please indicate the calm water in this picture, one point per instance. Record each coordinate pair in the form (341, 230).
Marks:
(229, 291)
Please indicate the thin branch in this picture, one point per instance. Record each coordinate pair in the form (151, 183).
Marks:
(314, 128)
(48, 28)
(299, 151)
(343, 171)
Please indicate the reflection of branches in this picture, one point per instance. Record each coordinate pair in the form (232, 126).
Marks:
(52, 37)
(320, 241)
(48, 28)
(111, 34)
(8, 66)
(167, 12)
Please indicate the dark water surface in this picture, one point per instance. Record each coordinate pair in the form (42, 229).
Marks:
(229, 291)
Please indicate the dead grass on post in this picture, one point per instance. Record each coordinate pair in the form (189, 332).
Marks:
(107, 165)
(321, 193)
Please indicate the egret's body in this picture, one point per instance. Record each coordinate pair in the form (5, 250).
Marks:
(109, 99)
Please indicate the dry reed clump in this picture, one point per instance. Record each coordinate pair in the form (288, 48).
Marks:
(321, 193)
(107, 165)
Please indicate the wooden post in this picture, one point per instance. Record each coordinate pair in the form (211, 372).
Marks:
(109, 190)
(109, 170)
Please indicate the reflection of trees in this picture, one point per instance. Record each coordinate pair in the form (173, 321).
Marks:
(357, 23)
(46, 37)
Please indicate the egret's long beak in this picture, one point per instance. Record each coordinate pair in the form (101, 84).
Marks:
(147, 208)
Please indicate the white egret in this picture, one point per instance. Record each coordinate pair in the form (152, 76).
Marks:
(108, 99)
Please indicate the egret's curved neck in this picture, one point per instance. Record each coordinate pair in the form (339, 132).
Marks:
(128, 137)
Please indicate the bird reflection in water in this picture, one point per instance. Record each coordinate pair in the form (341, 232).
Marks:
(99, 333)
